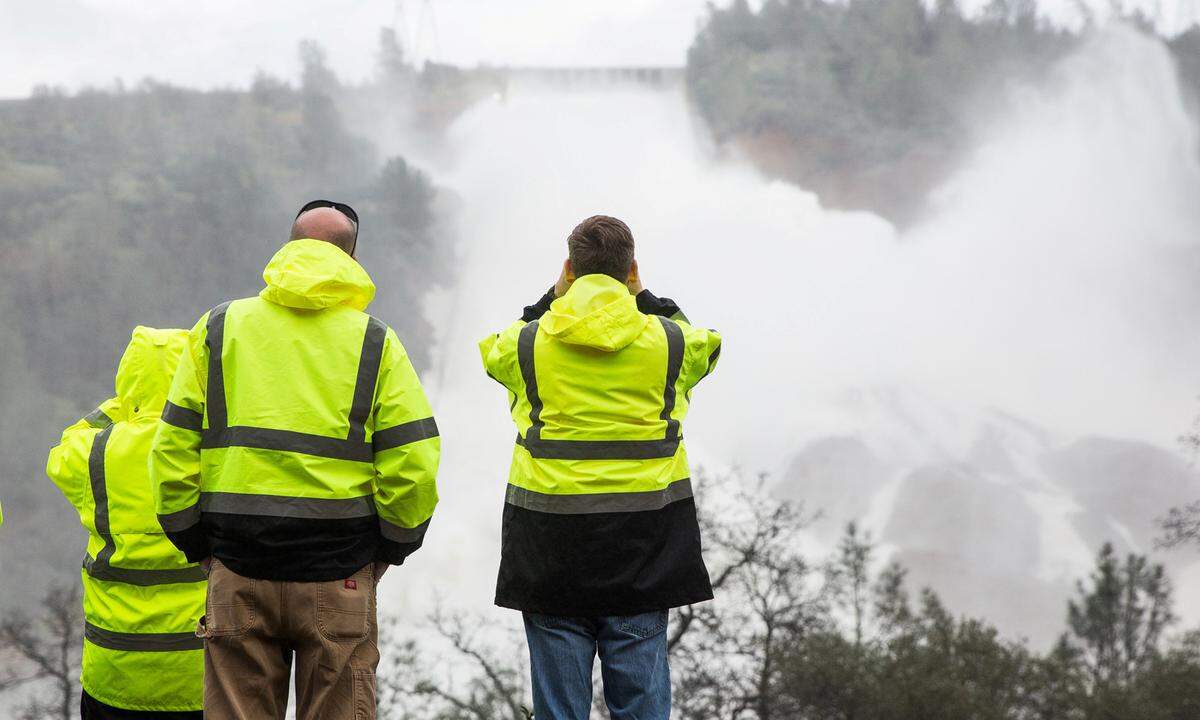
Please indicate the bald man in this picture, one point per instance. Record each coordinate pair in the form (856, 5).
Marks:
(296, 460)
(328, 224)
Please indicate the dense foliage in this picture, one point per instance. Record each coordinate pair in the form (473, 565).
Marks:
(149, 206)
(870, 102)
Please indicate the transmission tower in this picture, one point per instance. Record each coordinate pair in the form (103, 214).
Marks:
(1187, 14)
(427, 19)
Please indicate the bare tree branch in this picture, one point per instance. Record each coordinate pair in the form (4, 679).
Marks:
(45, 650)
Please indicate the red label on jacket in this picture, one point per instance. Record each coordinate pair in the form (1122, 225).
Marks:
(351, 584)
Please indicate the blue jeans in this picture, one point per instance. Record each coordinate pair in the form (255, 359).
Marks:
(633, 665)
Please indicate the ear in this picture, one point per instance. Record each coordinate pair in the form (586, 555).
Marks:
(568, 270)
(633, 272)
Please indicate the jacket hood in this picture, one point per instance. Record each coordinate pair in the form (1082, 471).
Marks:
(146, 369)
(314, 275)
(597, 312)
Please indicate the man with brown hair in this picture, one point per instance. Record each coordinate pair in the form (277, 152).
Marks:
(600, 535)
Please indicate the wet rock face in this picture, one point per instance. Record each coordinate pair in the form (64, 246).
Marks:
(1125, 486)
(838, 476)
(1002, 522)
(957, 511)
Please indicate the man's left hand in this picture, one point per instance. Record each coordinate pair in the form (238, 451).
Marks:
(565, 279)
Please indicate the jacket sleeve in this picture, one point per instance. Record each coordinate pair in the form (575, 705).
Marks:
(702, 349)
(407, 449)
(539, 308)
(67, 465)
(499, 354)
(650, 304)
(175, 455)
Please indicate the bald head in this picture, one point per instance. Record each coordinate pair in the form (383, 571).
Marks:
(326, 224)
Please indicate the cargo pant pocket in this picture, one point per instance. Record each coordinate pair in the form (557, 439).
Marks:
(344, 607)
(229, 606)
(364, 694)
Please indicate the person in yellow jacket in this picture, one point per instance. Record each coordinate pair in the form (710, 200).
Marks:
(600, 534)
(297, 454)
(142, 597)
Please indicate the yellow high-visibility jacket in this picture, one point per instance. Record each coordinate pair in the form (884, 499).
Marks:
(599, 517)
(297, 443)
(141, 596)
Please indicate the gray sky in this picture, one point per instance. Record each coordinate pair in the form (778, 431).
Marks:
(73, 43)
(220, 43)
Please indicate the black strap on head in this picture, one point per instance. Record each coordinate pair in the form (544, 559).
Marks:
(341, 207)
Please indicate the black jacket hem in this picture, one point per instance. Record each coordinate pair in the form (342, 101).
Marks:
(292, 549)
(582, 610)
(395, 553)
(191, 542)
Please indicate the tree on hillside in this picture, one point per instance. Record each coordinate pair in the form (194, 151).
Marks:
(150, 205)
(867, 102)
(45, 654)
(1118, 620)
(724, 653)
(409, 246)
(1181, 526)
(412, 685)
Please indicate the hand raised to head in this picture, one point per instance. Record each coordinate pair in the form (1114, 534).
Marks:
(565, 278)
(634, 283)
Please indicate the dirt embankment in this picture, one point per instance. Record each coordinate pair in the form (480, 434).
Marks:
(896, 190)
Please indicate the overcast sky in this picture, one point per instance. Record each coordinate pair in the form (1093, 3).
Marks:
(220, 43)
(72, 43)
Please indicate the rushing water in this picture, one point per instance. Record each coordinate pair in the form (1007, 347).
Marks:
(1053, 282)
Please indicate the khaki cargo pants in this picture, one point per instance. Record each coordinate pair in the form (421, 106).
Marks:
(252, 629)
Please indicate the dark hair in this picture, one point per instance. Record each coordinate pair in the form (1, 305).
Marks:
(601, 245)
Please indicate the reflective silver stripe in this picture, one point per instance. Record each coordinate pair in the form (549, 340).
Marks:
(525, 345)
(368, 375)
(218, 416)
(98, 419)
(674, 335)
(143, 578)
(712, 360)
(397, 533)
(599, 503)
(182, 417)
(286, 441)
(141, 642)
(555, 449)
(404, 434)
(290, 507)
(101, 567)
(181, 520)
(353, 447)
(99, 483)
(600, 449)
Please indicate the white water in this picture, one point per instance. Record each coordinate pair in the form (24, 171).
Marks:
(1055, 281)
